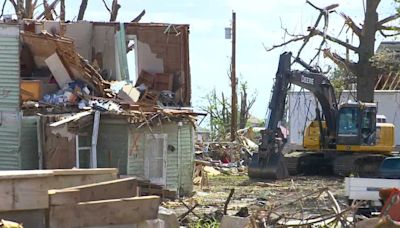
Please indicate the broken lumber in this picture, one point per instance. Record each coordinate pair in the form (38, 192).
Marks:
(105, 212)
(71, 118)
(114, 189)
(28, 189)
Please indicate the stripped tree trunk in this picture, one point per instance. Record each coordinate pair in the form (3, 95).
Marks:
(114, 10)
(62, 10)
(82, 10)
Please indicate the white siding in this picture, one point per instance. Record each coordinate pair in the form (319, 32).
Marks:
(301, 103)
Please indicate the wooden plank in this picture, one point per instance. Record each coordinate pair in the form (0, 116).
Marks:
(67, 181)
(71, 118)
(119, 211)
(104, 212)
(28, 189)
(23, 174)
(60, 172)
(63, 197)
(115, 189)
(58, 70)
(24, 194)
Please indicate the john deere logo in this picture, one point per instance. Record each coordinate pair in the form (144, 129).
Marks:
(307, 80)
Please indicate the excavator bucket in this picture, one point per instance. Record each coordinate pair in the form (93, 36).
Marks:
(270, 167)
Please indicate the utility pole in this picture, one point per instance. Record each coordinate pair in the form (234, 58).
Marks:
(233, 81)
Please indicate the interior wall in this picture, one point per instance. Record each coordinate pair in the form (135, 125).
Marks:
(81, 32)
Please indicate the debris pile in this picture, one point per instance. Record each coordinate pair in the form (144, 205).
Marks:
(55, 75)
(317, 208)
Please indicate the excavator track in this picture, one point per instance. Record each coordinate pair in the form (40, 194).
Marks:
(363, 165)
(336, 163)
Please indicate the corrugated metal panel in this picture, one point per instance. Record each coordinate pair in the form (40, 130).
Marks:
(9, 103)
(9, 68)
(112, 145)
(29, 143)
(10, 140)
(187, 158)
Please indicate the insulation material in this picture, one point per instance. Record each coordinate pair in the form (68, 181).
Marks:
(58, 70)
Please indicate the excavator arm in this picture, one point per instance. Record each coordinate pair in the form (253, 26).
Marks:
(268, 163)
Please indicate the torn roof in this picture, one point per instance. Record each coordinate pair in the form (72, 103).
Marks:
(94, 53)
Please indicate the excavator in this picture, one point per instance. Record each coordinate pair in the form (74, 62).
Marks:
(343, 139)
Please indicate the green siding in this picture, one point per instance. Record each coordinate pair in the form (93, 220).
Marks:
(10, 117)
(187, 159)
(112, 145)
(175, 174)
(29, 145)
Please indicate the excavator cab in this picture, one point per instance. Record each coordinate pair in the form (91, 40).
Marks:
(356, 124)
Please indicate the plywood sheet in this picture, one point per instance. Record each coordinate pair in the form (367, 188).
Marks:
(58, 70)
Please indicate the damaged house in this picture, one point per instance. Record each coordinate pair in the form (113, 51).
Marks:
(71, 99)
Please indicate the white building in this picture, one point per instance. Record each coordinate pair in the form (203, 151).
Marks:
(301, 108)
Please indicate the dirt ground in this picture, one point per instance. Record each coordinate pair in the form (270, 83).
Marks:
(255, 194)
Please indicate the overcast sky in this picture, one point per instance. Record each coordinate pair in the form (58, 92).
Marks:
(258, 23)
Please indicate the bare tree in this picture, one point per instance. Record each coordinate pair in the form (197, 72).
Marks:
(82, 10)
(62, 10)
(114, 10)
(245, 105)
(365, 72)
(219, 110)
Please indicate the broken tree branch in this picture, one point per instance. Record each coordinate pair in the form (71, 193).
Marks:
(388, 35)
(190, 210)
(47, 11)
(284, 43)
(114, 10)
(327, 8)
(333, 39)
(182, 216)
(340, 61)
(105, 4)
(349, 22)
(228, 200)
(389, 28)
(388, 19)
(51, 7)
(2, 8)
(318, 52)
(138, 17)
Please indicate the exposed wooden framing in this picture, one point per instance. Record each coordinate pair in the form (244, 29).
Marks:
(387, 80)
(377, 83)
(395, 78)
(397, 84)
